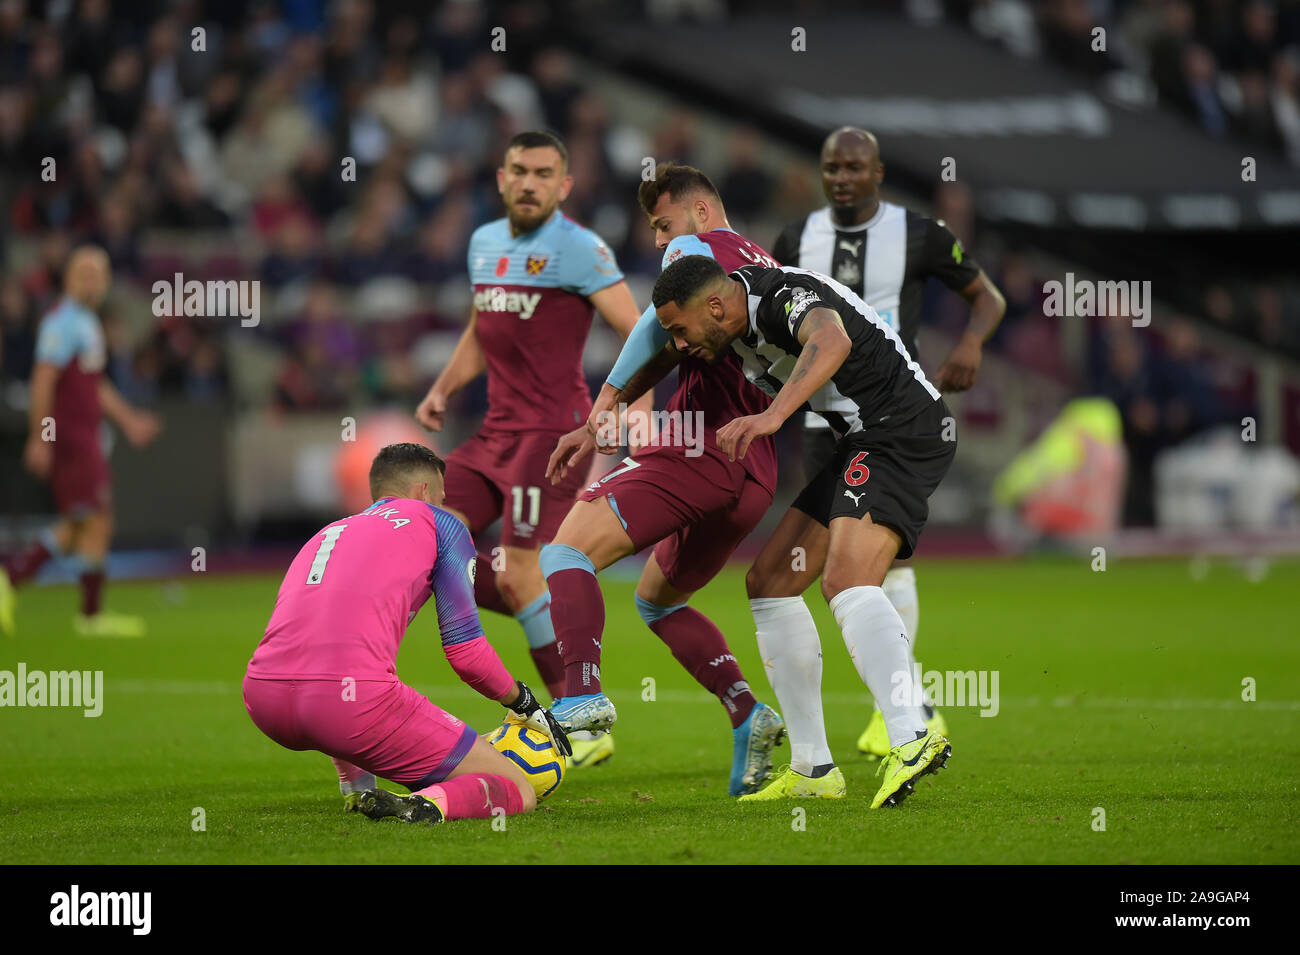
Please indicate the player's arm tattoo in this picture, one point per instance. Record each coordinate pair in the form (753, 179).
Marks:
(825, 346)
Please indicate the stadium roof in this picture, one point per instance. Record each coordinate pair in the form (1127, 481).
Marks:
(1039, 145)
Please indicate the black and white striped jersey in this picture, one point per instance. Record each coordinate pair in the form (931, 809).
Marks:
(885, 261)
(878, 381)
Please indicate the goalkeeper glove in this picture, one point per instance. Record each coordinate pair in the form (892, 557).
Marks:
(539, 717)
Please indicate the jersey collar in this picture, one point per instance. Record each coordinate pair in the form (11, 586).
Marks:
(860, 227)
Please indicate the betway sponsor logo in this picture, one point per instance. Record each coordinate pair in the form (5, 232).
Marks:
(497, 299)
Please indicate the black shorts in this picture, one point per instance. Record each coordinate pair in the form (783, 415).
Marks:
(818, 446)
(885, 473)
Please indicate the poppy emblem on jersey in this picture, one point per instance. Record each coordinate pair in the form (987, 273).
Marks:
(536, 263)
(503, 263)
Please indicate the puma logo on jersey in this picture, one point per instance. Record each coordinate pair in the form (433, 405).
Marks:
(851, 247)
(497, 299)
(857, 498)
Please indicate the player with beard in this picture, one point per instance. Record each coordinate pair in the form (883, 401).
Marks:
(806, 339)
(884, 253)
(683, 498)
(537, 276)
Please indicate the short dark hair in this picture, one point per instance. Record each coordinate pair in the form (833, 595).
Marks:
(676, 180)
(538, 139)
(401, 464)
(680, 282)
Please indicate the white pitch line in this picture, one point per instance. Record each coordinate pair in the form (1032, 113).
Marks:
(632, 696)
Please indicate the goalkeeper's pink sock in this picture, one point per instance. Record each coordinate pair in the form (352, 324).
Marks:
(474, 796)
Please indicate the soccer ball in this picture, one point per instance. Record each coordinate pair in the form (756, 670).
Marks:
(532, 751)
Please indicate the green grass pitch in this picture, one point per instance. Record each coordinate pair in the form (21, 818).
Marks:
(1119, 691)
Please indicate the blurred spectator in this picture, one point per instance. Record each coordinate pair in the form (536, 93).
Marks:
(17, 330)
(1200, 92)
(295, 253)
(183, 206)
(747, 185)
(117, 234)
(553, 71)
(238, 153)
(442, 242)
(1067, 38)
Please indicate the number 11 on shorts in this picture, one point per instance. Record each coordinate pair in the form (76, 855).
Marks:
(534, 503)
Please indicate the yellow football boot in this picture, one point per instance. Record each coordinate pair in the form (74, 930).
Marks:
(6, 604)
(907, 763)
(874, 741)
(590, 749)
(787, 784)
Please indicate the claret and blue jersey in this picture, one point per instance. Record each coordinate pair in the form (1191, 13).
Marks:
(533, 317)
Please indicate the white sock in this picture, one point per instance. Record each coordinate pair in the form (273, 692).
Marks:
(792, 658)
(353, 779)
(900, 588)
(877, 641)
(359, 785)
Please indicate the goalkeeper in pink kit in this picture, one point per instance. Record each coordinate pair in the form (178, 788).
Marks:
(324, 676)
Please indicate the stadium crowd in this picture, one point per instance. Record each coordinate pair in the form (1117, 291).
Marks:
(228, 162)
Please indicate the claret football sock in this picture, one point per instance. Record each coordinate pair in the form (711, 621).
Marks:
(25, 565)
(92, 589)
(540, 633)
(577, 613)
(700, 647)
(486, 594)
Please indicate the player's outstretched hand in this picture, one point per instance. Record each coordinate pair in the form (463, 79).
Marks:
(735, 436)
(569, 452)
(38, 456)
(539, 717)
(141, 428)
(432, 411)
(958, 372)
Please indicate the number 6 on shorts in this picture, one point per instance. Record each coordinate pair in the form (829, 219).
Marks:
(857, 472)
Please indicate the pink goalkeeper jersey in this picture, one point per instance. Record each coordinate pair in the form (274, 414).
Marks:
(353, 589)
